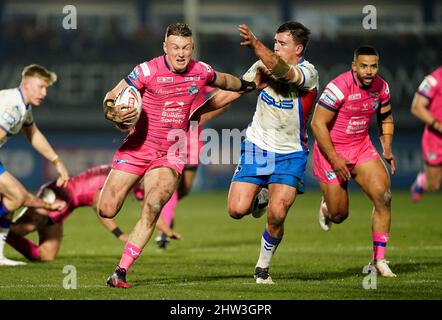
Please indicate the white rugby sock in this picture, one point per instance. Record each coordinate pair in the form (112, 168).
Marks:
(268, 248)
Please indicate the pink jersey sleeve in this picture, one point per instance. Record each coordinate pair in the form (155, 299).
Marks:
(385, 95)
(332, 97)
(428, 87)
(140, 75)
(208, 73)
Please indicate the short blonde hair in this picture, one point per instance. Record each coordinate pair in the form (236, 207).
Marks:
(35, 70)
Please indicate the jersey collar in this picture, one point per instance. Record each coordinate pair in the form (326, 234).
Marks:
(168, 67)
(23, 98)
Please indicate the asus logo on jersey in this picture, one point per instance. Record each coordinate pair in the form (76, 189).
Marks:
(134, 74)
(283, 104)
(164, 79)
(354, 96)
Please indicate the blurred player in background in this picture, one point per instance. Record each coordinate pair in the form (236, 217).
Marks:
(82, 190)
(427, 107)
(343, 148)
(277, 135)
(168, 84)
(15, 116)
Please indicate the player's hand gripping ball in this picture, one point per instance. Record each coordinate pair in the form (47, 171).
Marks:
(129, 98)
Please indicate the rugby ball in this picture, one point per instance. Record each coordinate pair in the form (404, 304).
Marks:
(131, 98)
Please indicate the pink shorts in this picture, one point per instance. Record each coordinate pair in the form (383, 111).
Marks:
(131, 161)
(323, 170)
(432, 149)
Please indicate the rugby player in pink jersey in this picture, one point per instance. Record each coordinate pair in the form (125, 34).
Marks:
(427, 107)
(343, 148)
(81, 191)
(168, 84)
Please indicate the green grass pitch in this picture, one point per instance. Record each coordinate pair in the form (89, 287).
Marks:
(216, 258)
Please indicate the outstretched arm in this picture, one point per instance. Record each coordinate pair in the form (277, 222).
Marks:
(276, 65)
(41, 144)
(228, 82)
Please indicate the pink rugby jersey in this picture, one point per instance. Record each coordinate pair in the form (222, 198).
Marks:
(79, 192)
(83, 187)
(167, 100)
(431, 87)
(354, 107)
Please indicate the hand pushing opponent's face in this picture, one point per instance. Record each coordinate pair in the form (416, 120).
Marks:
(179, 51)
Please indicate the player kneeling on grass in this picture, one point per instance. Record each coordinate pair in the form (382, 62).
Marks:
(343, 148)
(15, 116)
(81, 191)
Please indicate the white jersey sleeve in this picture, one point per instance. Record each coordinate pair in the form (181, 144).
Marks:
(251, 73)
(310, 76)
(13, 112)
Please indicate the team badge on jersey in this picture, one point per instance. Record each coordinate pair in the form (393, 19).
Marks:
(331, 175)
(193, 89)
(237, 170)
(374, 105)
(431, 156)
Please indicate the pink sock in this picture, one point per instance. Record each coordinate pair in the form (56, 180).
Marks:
(422, 180)
(168, 211)
(24, 246)
(380, 240)
(130, 254)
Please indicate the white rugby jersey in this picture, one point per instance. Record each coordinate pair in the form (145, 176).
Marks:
(13, 112)
(282, 111)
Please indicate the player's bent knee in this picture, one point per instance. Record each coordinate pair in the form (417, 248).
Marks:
(386, 199)
(107, 211)
(236, 214)
(339, 217)
(276, 220)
